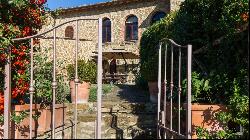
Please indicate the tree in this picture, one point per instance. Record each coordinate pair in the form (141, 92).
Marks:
(18, 18)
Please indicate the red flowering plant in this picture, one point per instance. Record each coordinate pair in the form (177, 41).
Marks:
(18, 18)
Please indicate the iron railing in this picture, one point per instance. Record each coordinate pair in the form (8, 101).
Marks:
(7, 90)
(161, 114)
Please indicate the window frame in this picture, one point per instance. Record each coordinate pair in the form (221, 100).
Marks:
(133, 29)
(155, 14)
(106, 31)
(69, 32)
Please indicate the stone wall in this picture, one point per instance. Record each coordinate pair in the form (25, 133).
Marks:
(88, 30)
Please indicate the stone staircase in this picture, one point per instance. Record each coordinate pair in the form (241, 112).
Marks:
(126, 114)
(120, 120)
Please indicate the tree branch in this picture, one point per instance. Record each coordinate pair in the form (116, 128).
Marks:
(218, 41)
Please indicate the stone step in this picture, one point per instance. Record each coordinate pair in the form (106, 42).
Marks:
(86, 130)
(114, 107)
(145, 118)
(118, 118)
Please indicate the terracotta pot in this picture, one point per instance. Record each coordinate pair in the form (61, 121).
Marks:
(83, 92)
(203, 115)
(45, 119)
(21, 131)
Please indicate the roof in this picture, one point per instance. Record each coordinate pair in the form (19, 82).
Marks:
(100, 5)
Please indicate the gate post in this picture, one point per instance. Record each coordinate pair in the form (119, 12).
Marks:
(159, 93)
(99, 81)
(31, 89)
(7, 96)
(189, 105)
(76, 79)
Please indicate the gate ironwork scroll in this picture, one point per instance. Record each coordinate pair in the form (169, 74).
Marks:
(7, 90)
(167, 110)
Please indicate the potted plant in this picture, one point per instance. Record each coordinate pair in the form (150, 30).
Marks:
(204, 107)
(42, 113)
(43, 93)
(87, 72)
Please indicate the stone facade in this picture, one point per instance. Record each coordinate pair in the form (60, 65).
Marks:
(88, 30)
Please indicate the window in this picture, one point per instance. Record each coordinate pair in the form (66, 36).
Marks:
(106, 30)
(157, 17)
(69, 32)
(131, 28)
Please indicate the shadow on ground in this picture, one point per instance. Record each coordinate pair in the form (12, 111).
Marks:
(145, 128)
(132, 94)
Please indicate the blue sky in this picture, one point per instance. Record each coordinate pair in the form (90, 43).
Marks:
(54, 4)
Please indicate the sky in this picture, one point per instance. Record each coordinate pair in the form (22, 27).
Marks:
(54, 4)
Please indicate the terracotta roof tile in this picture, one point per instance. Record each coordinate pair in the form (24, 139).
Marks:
(100, 5)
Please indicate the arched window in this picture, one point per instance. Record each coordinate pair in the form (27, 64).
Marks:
(131, 28)
(106, 30)
(157, 17)
(69, 32)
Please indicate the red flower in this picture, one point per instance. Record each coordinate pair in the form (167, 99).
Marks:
(41, 2)
(244, 16)
(32, 1)
(2, 57)
(20, 81)
(23, 48)
(27, 31)
(21, 53)
(21, 72)
(14, 51)
(26, 84)
(19, 58)
(38, 2)
(18, 63)
(30, 18)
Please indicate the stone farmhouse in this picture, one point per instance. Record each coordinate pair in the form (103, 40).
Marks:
(123, 24)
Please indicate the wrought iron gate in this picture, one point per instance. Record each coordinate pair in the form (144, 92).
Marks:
(165, 117)
(7, 89)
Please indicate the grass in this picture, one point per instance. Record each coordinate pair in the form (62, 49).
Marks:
(106, 88)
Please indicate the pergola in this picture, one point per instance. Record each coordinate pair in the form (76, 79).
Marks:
(117, 54)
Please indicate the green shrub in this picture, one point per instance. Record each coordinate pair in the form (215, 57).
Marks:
(203, 133)
(87, 71)
(141, 82)
(200, 88)
(217, 30)
(14, 117)
(43, 82)
(149, 47)
(106, 88)
(216, 24)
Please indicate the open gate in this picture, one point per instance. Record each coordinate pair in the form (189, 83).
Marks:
(168, 111)
(7, 89)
